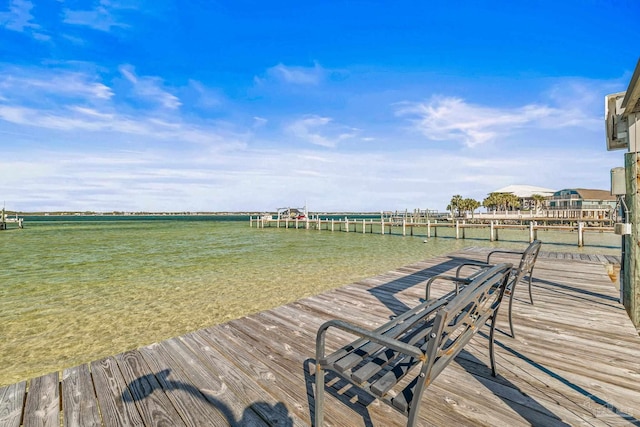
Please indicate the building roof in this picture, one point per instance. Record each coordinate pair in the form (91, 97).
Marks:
(591, 194)
(524, 191)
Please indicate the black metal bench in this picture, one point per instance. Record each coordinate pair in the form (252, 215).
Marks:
(396, 362)
(525, 267)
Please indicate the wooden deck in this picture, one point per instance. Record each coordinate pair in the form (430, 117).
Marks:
(575, 361)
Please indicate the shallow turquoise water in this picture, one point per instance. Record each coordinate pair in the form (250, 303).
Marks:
(78, 290)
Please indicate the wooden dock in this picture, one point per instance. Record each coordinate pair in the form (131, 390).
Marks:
(427, 228)
(575, 361)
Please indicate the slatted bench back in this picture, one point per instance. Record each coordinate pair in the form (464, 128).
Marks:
(453, 327)
(431, 334)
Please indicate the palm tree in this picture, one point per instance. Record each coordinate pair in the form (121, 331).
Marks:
(455, 204)
(538, 200)
(512, 202)
(470, 205)
(494, 201)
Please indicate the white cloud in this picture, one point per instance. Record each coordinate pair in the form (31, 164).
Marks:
(160, 177)
(259, 122)
(453, 119)
(205, 97)
(150, 88)
(102, 17)
(308, 129)
(21, 85)
(20, 19)
(296, 75)
(448, 118)
(82, 119)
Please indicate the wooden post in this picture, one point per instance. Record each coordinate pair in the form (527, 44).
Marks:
(364, 226)
(332, 221)
(346, 223)
(491, 230)
(428, 229)
(296, 223)
(580, 234)
(307, 226)
(457, 230)
(463, 228)
(404, 226)
(382, 226)
(630, 278)
(531, 238)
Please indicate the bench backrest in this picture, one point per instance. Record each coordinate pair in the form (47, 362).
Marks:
(457, 322)
(528, 260)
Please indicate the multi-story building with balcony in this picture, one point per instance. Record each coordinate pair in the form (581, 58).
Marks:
(582, 203)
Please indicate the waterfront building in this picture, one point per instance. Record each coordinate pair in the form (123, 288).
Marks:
(583, 203)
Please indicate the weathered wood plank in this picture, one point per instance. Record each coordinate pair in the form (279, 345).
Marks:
(114, 398)
(12, 399)
(79, 402)
(291, 383)
(250, 400)
(153, 404)
(187, 380)
(42, 407)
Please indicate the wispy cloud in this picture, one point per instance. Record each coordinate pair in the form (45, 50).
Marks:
(78, 102)
(295, 75)
(150, 88)
(320, 131)
(204, 97)
(453, 119)
(259, 122)
(36, 84)
(81, 119)
(103, 16)
(19, 18)
(159, 178)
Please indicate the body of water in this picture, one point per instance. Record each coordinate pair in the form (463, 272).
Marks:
(76, 289)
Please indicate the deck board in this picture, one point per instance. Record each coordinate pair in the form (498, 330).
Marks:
(42, 406)
(575, 361)
(79, 404)
(11, 404)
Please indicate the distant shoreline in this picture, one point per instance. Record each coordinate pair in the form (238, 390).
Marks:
(116, 213)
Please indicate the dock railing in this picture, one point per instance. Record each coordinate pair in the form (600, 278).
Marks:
(430, 228)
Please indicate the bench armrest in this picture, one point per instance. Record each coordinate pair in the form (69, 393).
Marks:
(480, 264)
(363, 333)
(502, 251)
(457, 280)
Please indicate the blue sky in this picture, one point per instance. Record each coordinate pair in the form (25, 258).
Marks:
(206, 105)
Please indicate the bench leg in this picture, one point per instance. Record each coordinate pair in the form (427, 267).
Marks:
(513, 292)
(492, 358)
(530, 278)
(319, 407)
